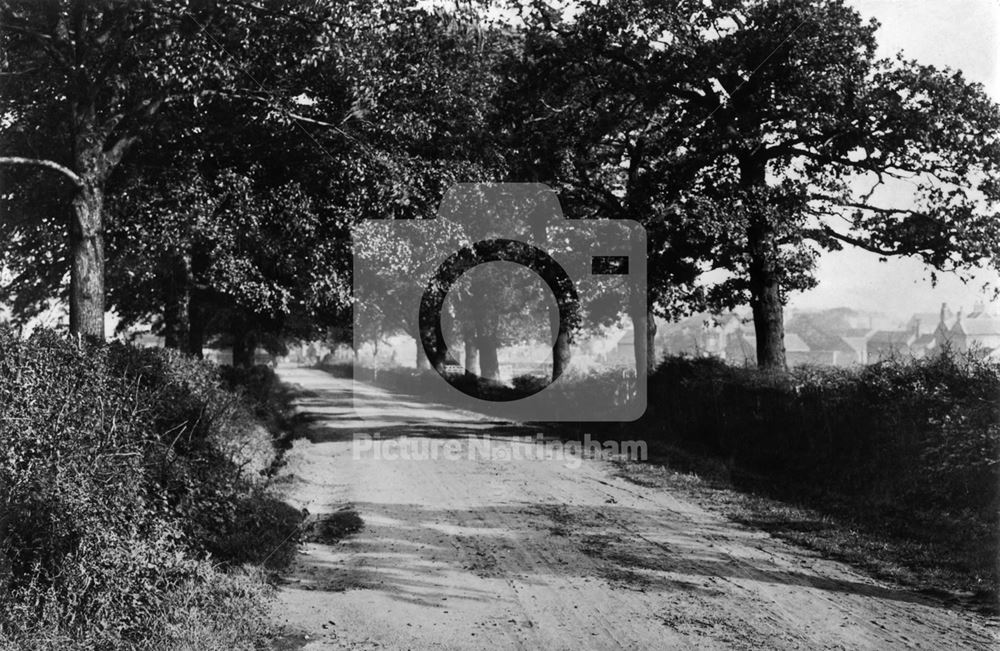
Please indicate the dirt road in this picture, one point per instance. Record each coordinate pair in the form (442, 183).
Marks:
(506, 550)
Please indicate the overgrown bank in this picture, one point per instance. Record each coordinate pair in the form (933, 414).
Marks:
(134, 512)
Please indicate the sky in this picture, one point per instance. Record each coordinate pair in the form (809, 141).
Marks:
(961, 34)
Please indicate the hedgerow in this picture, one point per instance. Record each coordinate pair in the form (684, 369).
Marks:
(921, 431)
(908, 448)
(130, 480)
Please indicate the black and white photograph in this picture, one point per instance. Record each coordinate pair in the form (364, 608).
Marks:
(499, 324)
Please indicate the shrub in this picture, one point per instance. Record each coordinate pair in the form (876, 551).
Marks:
(529, 384)
(914, 445)
(121, 471)
(919, 431)
(259, 386)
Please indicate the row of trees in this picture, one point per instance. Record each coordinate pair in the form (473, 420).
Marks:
(200, 164)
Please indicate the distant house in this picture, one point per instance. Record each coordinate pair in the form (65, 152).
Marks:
(924, 335)
(797, 351)
(889, 344)
(833, 337)
(742, 350)
(829, 338)
(980, 332)
(924, 345)
(701, 334)
(839, 336)
(930, 322)
(857, 340)
(832, 349)
(623, 351)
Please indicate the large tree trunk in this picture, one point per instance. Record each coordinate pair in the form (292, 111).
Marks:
(765, 283)
(765, 297)
(201, 300)
(561, 352)
(486, 322)
(176, 304)
(197, 325)
(471, 352)
(643, 332)
(243, 347)
(652, 359)
(423, 362)
(86, 284)
(489, 362)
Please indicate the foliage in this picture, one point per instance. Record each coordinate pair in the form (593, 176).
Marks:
(224, 222)
(425, 79)
(122, 470)
(227, 148)
(750, 136)
(915, 441)
(88, 82)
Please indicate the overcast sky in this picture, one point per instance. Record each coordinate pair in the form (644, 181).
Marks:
(962, 34)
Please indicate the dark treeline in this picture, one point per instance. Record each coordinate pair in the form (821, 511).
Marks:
(198, 165)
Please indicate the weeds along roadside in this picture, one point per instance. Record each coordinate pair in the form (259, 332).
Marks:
(134, 508)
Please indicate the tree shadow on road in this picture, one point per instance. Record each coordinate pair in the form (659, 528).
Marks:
(408, 552)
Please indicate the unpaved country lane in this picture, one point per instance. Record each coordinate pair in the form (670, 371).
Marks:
(508, 551)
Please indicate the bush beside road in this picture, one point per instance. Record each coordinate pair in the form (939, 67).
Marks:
(134, 506)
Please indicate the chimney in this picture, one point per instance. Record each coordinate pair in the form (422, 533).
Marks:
(944, 312)
(916, 326)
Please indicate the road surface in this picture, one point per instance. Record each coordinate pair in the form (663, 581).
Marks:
(504, 549)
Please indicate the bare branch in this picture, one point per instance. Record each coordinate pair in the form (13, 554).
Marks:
(48, 164)
(868, 246)
(114, 155)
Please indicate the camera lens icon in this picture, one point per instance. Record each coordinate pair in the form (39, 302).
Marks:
(418, 281)
(468, 258)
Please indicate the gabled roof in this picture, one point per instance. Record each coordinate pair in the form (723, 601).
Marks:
(979, 326)
(891, 337)
(795, 344)
(931, 321)
(984, 309)
(819, 340)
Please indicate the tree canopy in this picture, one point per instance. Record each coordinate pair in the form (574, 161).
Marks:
(217, 154)
(752, 136)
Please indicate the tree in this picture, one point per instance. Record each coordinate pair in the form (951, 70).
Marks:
(239, 253)
(423, 79)
(234, 225)
(593, 128)
(85, 81)
(494, 306)
(778, 127)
